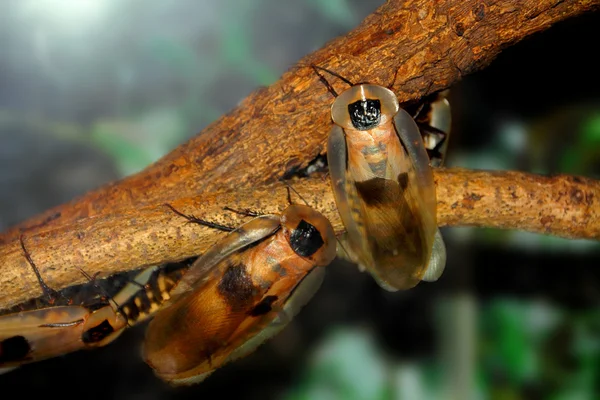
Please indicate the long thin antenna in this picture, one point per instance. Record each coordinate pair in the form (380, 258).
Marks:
(295, 191)
(324, 81)
(347, 81)
(194, 220)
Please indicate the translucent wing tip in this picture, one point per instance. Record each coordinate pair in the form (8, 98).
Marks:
(437, 262)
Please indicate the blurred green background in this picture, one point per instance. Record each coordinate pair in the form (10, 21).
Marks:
(94, 90)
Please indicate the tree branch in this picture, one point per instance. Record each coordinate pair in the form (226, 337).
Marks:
(562, 205)
(425, 45)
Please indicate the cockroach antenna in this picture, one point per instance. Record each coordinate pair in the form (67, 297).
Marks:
(324, 81)
(295, 191)
(194, 220)
(345, 80)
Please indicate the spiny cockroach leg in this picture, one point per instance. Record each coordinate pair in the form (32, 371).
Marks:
(48, 291)
(246, 212)
(191, 219)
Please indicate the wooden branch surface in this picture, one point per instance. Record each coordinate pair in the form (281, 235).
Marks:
(427, 45)
(562, 205)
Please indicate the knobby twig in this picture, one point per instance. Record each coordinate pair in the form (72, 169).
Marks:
(427, 45)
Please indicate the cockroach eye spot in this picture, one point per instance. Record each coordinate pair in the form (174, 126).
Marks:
(365, 114)
(306, 239)
(97, 333)
(264, 306)
(14, 349)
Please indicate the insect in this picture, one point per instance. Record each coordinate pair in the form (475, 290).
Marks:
(242, 291)
(383, 186)
(67, 324)
(434, 119)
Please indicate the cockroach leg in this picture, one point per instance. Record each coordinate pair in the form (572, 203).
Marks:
(246, 212)
(52, 294)
(194, 220)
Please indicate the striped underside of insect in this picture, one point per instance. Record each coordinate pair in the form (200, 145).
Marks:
(434, 119)
(66, 325)
(383, 187)
(243, 291)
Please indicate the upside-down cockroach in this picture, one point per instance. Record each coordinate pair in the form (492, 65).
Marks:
(434, 119)
(241, 292)
(29, 335)
(383, 187)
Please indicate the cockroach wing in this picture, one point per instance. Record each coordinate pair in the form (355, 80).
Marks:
(408, 132)
(40, 334)
(390, 220)
(192, 330)
(301, 295)
(373, 214)
(346, 197)
(245, 235)
(437, 262)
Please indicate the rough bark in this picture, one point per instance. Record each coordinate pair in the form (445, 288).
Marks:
(425, 45)
(419, 46)
(562, 205)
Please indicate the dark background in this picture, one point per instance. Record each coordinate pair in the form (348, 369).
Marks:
(90, 93)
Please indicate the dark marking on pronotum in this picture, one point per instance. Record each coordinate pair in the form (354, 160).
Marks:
(15, 348)
(97, 333)
(236, 286)
(365, 114)
(306, 239)
(264, 306)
